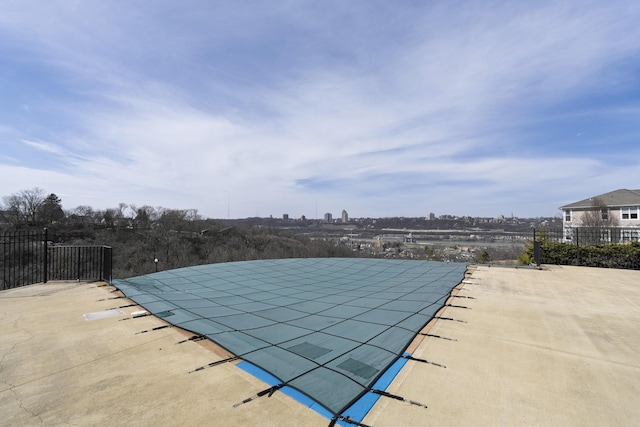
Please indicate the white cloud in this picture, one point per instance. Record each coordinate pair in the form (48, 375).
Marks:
(44, 146)
(185, 107)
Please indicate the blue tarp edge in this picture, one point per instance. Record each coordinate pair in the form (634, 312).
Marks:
(356, 412)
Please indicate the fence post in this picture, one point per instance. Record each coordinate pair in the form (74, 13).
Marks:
(4, 261)
(106, 263)
(536, 250)
(78, 256)
(577, 230)
(45, 260)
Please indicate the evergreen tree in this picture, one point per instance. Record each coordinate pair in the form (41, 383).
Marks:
(50, 210)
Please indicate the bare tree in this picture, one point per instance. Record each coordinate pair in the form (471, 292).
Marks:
(109, 218)
(145, 215)
(23, 207)
(598, 223)
(122, 207)
(82, 214)
(12, 207)
(192, 215)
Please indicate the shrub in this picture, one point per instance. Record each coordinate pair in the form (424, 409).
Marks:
(605, 255)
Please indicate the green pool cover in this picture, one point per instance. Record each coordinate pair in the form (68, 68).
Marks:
(327, 327)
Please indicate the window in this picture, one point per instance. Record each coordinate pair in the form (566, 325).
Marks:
(567, 216)
(625, 236)
(629, 212)
(605, 214)
(630, 236)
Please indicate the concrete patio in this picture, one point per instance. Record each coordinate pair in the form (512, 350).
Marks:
(557, 346)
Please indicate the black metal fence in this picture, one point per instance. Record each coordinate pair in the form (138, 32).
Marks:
(28, 257)
(78, 263)
(613, 247)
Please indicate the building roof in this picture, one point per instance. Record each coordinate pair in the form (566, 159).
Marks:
(616, 198)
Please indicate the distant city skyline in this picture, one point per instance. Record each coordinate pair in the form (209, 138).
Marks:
(381, 108)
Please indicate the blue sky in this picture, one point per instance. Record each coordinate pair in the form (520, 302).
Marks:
(245, 108)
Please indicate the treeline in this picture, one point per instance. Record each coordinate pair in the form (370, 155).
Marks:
(146, 239)
(145, 251)
(137, 252)
(33, 208)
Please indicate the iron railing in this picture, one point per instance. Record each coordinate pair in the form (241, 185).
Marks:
(586, 236)
(23, 258)
(28, 257)
(77, 263)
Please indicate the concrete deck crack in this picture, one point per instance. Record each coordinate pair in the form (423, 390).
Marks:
(88, 362)
(24, 408)
(13, 347)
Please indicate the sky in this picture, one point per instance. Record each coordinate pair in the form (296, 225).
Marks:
(381, 108)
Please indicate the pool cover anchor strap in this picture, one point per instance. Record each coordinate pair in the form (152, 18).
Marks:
(381, 393)
(157, 328)
(347, 420)
(457, 306)
(126, 306)
(415, 359)
(107, 299)
(212, 364)
(269, 392)
(438, 336)
(192, 338)
(450, 318)
(400, 398)
(463, 296)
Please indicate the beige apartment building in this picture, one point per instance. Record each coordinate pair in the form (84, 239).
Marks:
(617, 211)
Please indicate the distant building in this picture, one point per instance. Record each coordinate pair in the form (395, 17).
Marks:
(328, 217)
(378, 244)
(409, 239)
(432, 216)
(285, 217)
(345, 216)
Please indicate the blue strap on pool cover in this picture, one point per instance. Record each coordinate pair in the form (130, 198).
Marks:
(327, 327)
